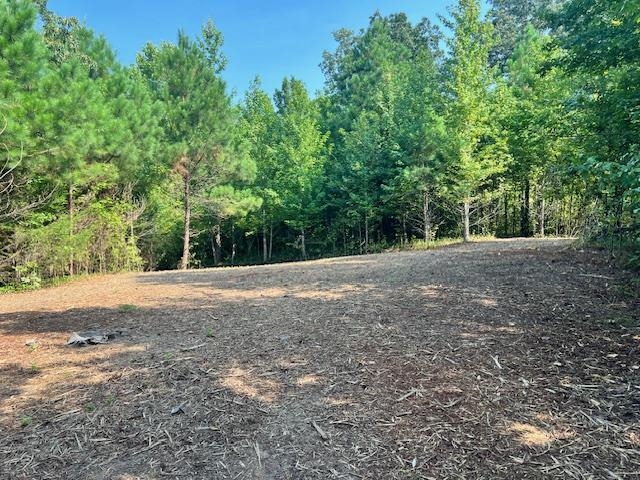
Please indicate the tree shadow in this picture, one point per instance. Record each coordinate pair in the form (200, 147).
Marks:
(400, 367)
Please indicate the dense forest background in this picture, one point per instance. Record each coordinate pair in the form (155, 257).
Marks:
(522, 122)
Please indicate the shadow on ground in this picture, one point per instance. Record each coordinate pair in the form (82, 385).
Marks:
(500, 360)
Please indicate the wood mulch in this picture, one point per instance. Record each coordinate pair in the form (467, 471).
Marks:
(513, 359)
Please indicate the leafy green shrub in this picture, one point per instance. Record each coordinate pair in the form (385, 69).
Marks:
(28, 276)
(96, 240)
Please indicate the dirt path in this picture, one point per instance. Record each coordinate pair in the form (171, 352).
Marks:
(500, 360)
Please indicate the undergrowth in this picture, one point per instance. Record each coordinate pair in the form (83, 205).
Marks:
(417, 245)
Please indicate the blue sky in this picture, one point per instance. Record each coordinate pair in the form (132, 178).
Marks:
(270, 38)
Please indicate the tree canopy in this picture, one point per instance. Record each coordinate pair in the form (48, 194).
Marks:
(524, 121)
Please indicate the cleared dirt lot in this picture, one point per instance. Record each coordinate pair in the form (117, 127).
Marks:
(506, 359)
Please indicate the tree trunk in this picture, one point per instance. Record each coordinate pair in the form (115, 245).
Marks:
(264, 237)
(71, 212)
(465, 219)
(506, 214)
(217, 244)
(366, 233)
(233, 244)
(570, 216)
(405, 239)
(128, 197)
(270, 240)
(303, 244)
(344, 240)
(184, 263)
(334, 242)
(525, 225)
(426, 217)
(542, 216)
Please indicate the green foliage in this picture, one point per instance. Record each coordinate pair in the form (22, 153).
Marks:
(509, 19)
(476, 154)
(527, 124)
(27, 275)
(384, 111)
(443, 242)
(198, 138)
(533, 117)
(101, 245)
(300, 148)
(127, 308)
(600, 40)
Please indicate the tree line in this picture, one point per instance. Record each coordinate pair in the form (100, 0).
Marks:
(524, 121)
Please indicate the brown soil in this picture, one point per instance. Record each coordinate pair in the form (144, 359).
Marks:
(509, 359)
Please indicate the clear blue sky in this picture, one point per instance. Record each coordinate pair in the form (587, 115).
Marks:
(271, 38)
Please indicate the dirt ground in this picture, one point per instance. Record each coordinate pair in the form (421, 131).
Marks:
(515, 359)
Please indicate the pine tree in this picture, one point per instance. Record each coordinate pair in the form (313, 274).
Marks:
(22, 66)
(600, 41)
(534, 117)
(185, 77)
(300, 153)
(473, 163)
(259, 125)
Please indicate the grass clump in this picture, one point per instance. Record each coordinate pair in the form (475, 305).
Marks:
(127, 307)
(419, 245)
